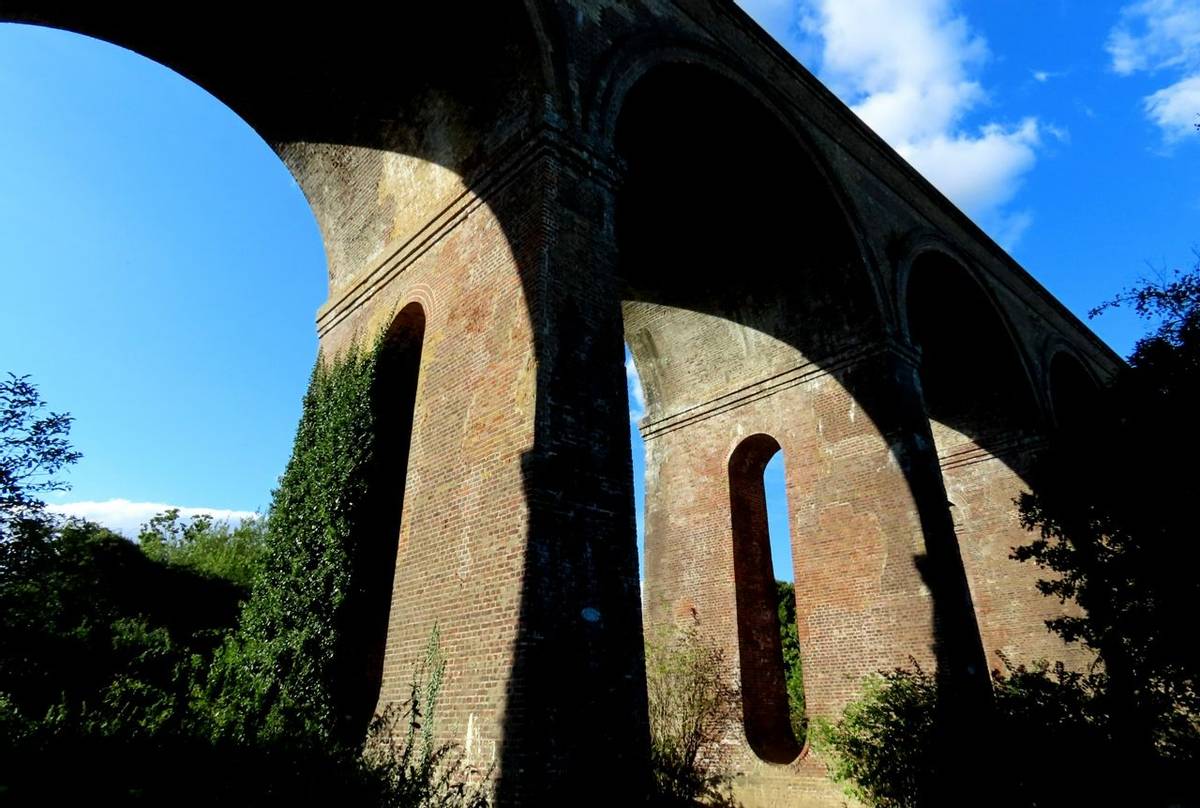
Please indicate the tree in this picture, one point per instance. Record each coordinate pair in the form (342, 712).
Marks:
(33, 448)
(793, 667)
(1114, 514)
(215, 548)
(111, 683)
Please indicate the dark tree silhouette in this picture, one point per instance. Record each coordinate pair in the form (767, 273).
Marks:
(1114, 512)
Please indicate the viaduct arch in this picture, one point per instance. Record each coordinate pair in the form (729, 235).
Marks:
(527, 184)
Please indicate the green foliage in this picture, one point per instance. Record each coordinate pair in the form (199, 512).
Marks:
(880, 748)
(402, 755)
(793, 667)
(217, 549)
(278, 677)
(691, 700)
(1115, 527)
(33, 448)
(1047, 740)
(122, 677)
(98, 635)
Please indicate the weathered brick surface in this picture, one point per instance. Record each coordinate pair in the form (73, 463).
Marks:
(500, 171)
(1012, 613)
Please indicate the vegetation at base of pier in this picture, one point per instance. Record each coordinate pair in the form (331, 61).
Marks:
(207, 661)
(277, 677)
(1114, 526)
(1043, 743)
(692, 702)
(214, 656)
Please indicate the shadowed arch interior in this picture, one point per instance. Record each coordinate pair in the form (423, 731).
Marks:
(394, 396)
(1072, 391)
(975, 385)
(723, 214)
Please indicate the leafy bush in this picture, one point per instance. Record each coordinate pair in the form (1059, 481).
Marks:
(880, 749)
(213, 548)
(1049, 742)
(101, 637)
(132, 674)
(793, 666)
(691, 702)
(276, 678)
(297, 668)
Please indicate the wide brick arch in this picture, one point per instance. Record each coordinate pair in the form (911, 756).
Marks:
(499, 163)
(751, 307)
(422, 137)
(724, 212)
(988, 405)
(932, 251)
(455, 97)
(640, 59)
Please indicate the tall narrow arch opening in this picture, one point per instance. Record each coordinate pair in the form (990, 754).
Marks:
(394, 398)
(766, 713)
(779, 526)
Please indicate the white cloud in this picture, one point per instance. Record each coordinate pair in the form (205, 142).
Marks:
(1155, 35)
(1176, 109)
(127, 517)
(637, 398)
(908, 70)
(981, 168)
(1162, 35)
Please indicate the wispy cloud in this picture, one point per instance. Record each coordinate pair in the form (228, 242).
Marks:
(1176, 109)
(1043, 76)
(127, 517)
(909, 71)
(1162, 36)
(637, 398)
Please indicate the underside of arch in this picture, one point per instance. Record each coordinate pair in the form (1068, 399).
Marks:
(736, 256)
(382, 122)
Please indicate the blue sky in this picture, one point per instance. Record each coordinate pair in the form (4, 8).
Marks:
(162, 268)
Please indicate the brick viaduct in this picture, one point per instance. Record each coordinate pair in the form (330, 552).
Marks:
(518, 189)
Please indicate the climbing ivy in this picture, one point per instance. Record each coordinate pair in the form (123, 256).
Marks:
(283, 676)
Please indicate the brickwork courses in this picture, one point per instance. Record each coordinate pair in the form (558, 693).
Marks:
(543, 182)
